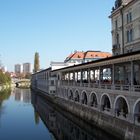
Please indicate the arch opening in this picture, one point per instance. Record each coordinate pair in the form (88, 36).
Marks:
(84, 98)
(105, 104)
(137, 113)
(93, 100)
(77, 97)
(70, 95)
(121, 107)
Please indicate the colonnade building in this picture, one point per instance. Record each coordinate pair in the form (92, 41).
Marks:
(117, 95)
(112, 101)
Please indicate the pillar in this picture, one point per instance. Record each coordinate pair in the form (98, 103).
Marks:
(132, 73)
(88, 77)
(113, 74)
(81, 77)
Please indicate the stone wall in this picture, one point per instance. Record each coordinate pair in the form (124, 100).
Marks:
(119, 128)
(108, 123)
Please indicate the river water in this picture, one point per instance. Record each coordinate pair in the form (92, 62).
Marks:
(27, 116)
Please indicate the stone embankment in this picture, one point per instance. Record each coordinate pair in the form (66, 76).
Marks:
(112, 125)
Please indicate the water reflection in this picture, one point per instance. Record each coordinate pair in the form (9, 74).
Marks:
(22, 95)
(17, 117)
(60, 124)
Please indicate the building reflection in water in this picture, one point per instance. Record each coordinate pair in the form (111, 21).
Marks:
(61, 126)
(23, 95)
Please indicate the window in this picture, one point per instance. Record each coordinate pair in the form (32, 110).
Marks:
(129, 17)
(117, 39)
(129, 34)
(116, 24)
(52, 82)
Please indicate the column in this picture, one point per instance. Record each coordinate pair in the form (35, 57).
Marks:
(132, 73)
(73, 78)
(81, 77)
(99, 76)
(94, 75)
(113, 74)
(88, 77)
(69, 78)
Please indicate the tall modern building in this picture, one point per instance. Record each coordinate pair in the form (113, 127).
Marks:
(18, 68)
(27, 68)
(125, 18)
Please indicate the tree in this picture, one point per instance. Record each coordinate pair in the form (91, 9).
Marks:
(36, 62)
(5, 78)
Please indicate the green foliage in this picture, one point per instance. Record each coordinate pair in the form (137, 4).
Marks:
(5, 78)
(4, 95)
(36, 62)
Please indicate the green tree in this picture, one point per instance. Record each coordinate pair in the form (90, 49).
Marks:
(5, 78)
(36, 62)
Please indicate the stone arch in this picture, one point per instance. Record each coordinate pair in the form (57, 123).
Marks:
(121, 106)
(70, 94)
(77, 96)
(93, 100)
(84, 98)
(105, 102)
(136, 111)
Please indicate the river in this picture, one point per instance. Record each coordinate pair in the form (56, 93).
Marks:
(27, 116)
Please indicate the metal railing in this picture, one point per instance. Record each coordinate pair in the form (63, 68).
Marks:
(121, 87)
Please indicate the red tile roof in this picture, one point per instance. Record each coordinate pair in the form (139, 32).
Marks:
(88, 54)
(93, 54)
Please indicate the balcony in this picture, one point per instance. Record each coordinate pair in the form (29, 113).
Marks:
(116, 47)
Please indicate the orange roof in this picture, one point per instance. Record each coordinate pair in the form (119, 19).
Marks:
(95, 54)
(78, 55)
(89, 54)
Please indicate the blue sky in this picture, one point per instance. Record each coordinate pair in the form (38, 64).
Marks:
(54, 28)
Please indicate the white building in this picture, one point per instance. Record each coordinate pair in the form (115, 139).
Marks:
(4, 69)
(59, 65)
(125, 18)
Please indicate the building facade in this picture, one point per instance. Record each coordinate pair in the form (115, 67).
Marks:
(125, 18)
(113, 103)
(18, 68)
(27, 68)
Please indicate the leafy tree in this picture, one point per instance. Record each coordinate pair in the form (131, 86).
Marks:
(36, 62)
(4, 78)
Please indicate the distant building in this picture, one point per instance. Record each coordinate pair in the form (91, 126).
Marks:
(18, 68)
(79, 57)
(12, 74)
(4, 69)
(125, 18)
(27, 68)
(59, 65)
(88, 56)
